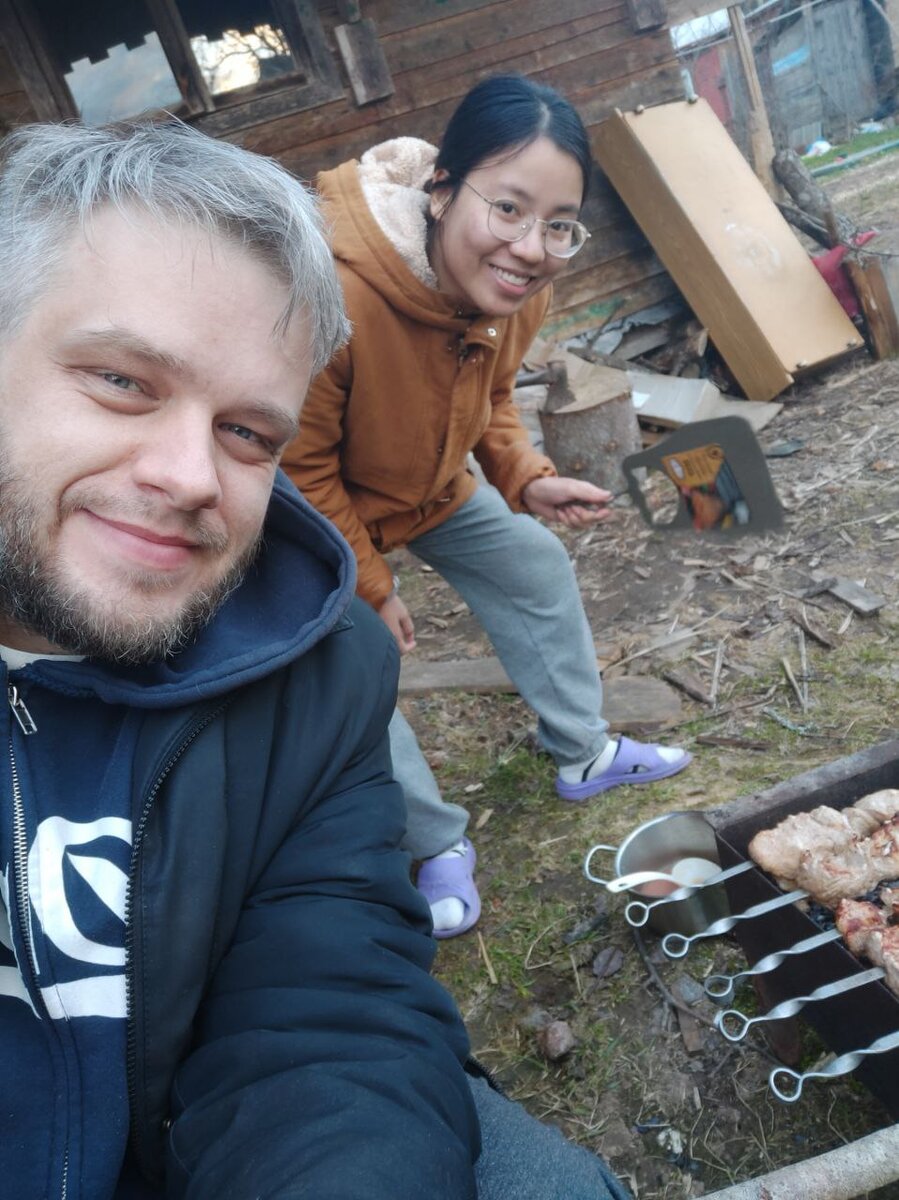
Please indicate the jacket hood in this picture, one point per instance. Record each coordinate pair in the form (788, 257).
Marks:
(296, 592)
(376, 208)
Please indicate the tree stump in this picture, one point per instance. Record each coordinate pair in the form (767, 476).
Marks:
(589, 423)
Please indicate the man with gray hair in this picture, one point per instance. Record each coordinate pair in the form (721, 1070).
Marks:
(213, 966)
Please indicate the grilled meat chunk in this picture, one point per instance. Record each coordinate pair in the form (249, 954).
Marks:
(882, 948)
(882, 805)
(779, 850)
(856, 920)
(830, 875)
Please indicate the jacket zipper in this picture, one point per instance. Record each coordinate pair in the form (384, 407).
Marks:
(20, 848)
(139, 829)
(20, 856)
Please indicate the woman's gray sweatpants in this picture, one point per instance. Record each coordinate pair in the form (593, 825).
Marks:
(516, 577)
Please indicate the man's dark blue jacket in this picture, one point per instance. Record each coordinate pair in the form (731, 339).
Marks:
(284, 1036)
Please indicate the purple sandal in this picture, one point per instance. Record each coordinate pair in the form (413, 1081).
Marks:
(452, 878)
(634, 762)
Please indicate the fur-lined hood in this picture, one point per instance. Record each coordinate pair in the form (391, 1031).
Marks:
(377, 209)
(393, 176)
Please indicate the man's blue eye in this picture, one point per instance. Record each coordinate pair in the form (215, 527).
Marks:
(122, 382)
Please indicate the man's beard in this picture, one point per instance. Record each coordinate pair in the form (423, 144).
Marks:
(35, 594)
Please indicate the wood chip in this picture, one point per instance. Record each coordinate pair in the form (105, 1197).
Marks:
(791, 679)
(737, 743)
(483, 819)
(803, 622)
(689, 684)
(690, 1031)
(859, 598)
(491, 974)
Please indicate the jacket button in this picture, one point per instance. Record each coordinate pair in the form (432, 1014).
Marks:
(491, 331)
(167, 1124)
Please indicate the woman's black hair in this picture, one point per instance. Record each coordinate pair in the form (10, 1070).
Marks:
(504, 112)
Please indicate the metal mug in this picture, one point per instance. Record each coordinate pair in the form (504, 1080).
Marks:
(655, 846)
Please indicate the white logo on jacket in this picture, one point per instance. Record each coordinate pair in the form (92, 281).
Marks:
(58, 842)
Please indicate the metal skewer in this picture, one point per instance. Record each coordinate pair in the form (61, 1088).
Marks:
(676, 945)
(740, 1024)
(838, 1066)
(721, 987)
(637, 912)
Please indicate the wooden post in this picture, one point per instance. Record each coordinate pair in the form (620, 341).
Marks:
(761, 143)
(872, 289)
(362, 54)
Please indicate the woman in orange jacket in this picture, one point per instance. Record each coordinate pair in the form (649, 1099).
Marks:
(447, 260)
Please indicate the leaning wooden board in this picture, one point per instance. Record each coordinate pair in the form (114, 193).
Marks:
(734, 257)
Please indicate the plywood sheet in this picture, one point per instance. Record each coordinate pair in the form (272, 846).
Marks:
(721, 237)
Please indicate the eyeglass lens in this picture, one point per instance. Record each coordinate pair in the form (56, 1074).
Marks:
(507, 220)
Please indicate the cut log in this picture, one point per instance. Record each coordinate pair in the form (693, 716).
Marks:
(813, 200)
(589, 423)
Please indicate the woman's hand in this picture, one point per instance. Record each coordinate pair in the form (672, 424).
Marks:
(573, 502)
(396, 617)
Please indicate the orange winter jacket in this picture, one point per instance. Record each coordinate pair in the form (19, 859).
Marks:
(387, 426)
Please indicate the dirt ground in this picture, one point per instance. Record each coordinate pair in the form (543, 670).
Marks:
(676, 1109)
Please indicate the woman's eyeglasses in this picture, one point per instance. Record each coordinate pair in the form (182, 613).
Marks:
(507, 220)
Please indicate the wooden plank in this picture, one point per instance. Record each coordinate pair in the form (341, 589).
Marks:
(307, 39)
(681, 11)
(364, 60)
(262, 112)
(566, 322)
(41, 76)
(877, 304)
(176, 45)
(630, 703)
(761, 143)
(479, 33)
(15, 109)
(861, 599)
(399, 16)
(746, 277)
(647, 14)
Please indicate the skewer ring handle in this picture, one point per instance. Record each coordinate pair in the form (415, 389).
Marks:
(589, 859)
(733, 1024)
(791, 1089)
(719, 987)
(637, 913)
(676, 945)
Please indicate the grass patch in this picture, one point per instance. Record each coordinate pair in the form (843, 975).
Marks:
(861, 141)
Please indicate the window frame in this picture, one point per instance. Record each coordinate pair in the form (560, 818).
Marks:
(44, 80)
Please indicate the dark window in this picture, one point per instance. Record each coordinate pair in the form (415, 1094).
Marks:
(225, 63)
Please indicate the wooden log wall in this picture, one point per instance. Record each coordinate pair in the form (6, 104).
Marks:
(601, 54)
(15, 107)
(437, 49)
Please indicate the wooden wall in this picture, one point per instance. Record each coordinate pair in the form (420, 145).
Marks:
(15, 107)
(591, 50)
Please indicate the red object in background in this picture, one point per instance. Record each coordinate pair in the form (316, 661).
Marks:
(835, 275)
